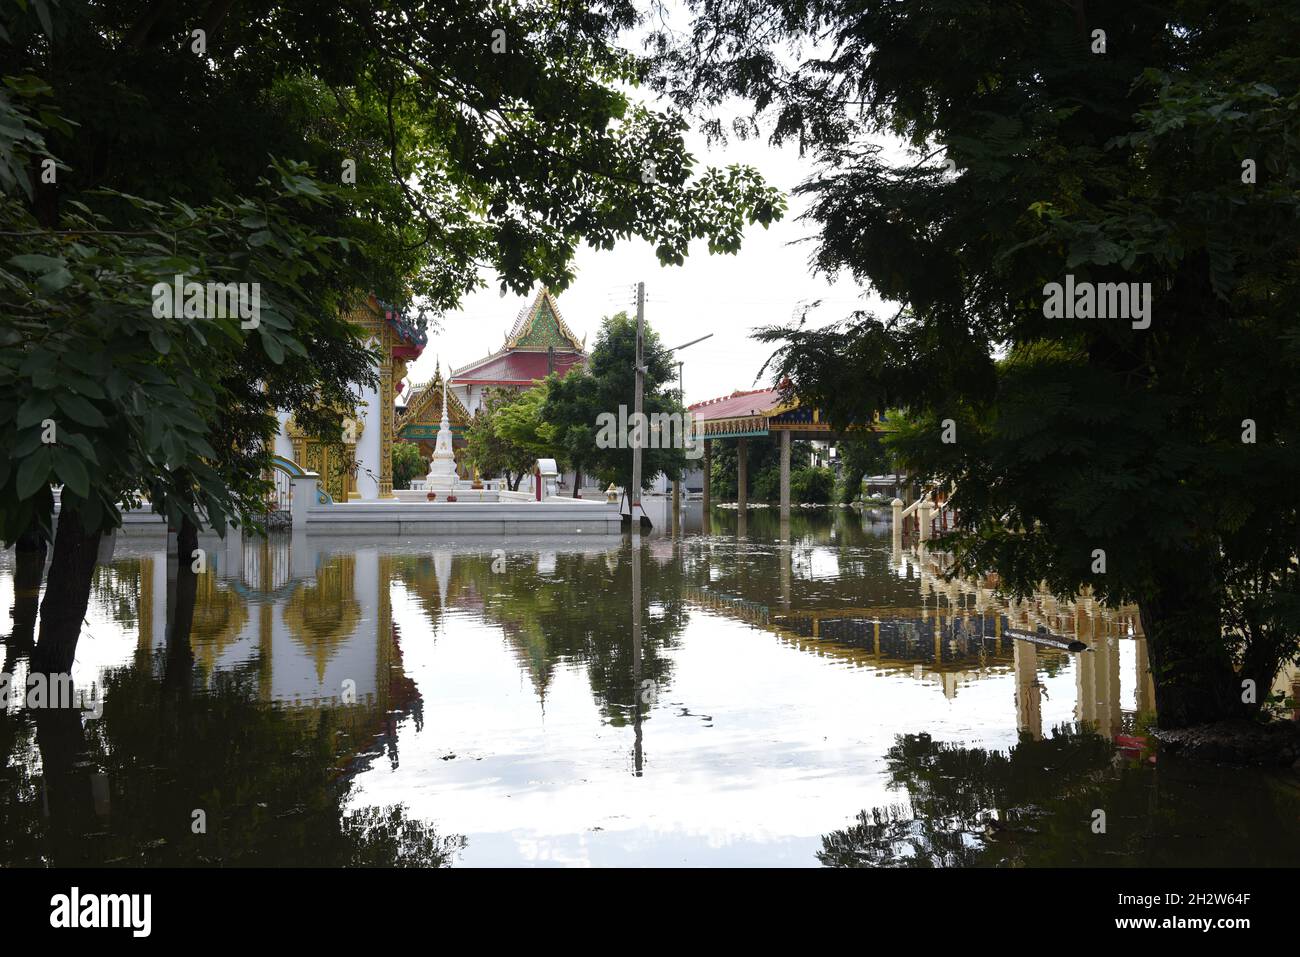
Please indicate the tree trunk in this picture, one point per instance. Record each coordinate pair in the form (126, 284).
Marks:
(577, 479)
(1190, 664)
(67, 592)
(180, 609)
(29, 567)
(66, 774)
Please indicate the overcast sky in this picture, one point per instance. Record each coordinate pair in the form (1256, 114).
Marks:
(765, 283)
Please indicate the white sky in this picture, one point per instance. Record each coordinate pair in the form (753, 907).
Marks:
(763, 284)
(766, 283)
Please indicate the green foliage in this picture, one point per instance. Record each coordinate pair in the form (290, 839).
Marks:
(571, 409)
(408, 463)
(860, 454)
(575, 404)
(763, 461)
(811, 486)
(463, 158)
(144, 416)
(519, 423)
(1073, 435)
(488, 449)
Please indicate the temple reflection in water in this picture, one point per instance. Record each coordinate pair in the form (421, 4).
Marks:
(311, 619)
(727, 696)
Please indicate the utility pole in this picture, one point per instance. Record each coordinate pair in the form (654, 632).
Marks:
(677, 479)
(634, 493)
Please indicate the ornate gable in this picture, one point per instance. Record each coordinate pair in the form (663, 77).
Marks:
(425, 409)
(540, 326)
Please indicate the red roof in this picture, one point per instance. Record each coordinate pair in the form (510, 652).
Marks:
(754, 402)
(515, 368)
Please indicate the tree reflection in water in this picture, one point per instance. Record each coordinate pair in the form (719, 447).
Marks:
(1034, 806)
(123, 789)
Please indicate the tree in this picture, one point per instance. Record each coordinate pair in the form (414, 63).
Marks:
(408, 464)
(519, 423)
(572, 406)
(762, 467)
(814, 486)
(405, 154)
(583, 409)
(1145, 451)
(861, 454)
(489, 451)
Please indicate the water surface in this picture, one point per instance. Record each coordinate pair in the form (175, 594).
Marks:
(796, 696)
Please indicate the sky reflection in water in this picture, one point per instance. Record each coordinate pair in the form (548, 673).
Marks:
(501, 707)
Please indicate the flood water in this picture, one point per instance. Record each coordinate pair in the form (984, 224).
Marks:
(803, 696)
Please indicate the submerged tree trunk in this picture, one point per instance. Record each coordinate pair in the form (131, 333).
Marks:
(180, 608)
(1190, 663)
(67, 592)
(66, 776)
(29, 567)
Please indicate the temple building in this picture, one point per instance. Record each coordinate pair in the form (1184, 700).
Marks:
(539, 343)
(359, 463)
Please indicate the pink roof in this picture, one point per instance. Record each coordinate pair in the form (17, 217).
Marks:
(515, 368)
(754, 402)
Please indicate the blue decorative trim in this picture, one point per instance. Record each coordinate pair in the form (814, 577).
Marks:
(287, 466)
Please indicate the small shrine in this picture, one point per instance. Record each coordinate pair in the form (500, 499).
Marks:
(421, 419)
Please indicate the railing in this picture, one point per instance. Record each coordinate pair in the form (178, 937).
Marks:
(283, 472)
(929, 517)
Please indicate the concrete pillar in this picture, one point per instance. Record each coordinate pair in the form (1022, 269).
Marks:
(708, 475)
(924, 513)
(232, 552)
(1086, 673)
(369, 445)
(896, 533)
(785, 474)
(304, 498)
(303, 556)
(1029, 712)
(1145, 686)
(787, 565)
(742, 473)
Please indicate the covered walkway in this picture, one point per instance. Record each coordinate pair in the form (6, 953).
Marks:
(759, 412)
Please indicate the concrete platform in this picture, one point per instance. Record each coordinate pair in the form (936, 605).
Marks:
(554, 516)
(498, 513)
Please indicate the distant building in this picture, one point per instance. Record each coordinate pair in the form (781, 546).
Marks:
(539, 343)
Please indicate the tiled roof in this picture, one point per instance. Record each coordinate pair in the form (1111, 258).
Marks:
(754, 402)
(514, 368)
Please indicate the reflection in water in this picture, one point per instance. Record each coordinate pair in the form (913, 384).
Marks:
(1034, 805)
(724, 698)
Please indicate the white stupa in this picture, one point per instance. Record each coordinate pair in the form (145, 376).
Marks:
(442, 470)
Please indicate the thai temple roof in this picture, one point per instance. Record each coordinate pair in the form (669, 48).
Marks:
(425, 405)
(522, 359)
(753, 402)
